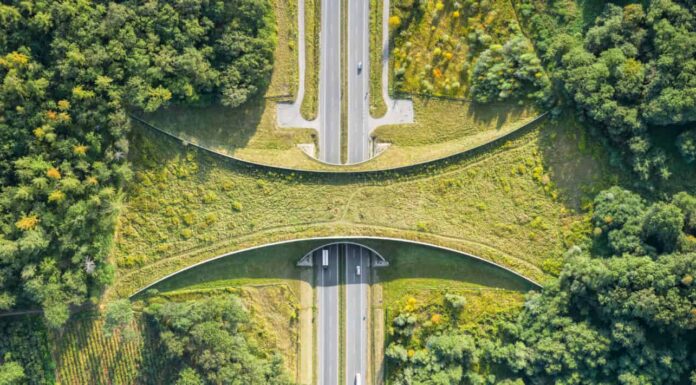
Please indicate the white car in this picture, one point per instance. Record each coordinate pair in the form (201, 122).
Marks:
(359, 67)
(357, 379)
(357, 270)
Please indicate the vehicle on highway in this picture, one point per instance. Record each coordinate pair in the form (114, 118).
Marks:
(359, 67)
(357, 375)
(357, 270)
(325, 258)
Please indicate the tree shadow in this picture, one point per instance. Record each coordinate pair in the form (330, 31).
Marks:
(496, 114)
(581, 162)
(214, 126)
(576, 163)
(276, 263)
(156, 367)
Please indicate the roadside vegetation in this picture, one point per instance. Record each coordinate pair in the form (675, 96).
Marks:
(70, 72)
(625, 298)
(133, 349)
(595, 201)
(377, 106)
(630, 70)
(471, 49)
(516, 205)
(310, 103)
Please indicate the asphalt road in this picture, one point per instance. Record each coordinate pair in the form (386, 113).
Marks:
(356, 313)
(327, 318)
(358, 81)
(330, 82)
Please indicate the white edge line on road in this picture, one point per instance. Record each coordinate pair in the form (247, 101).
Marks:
(337, 239)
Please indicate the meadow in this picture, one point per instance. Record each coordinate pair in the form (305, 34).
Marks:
(516, 204)
(436, 44)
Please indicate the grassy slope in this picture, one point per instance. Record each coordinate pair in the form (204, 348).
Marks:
(422, 266)
(250, 132)
(185, 206)
(377, 106)
(310, 103)
(415, 267)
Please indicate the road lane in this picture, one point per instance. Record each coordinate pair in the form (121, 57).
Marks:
(330, 82)
(358, 81)
(356, 312)
(328, 316)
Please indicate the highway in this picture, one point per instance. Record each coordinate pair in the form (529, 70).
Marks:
(356, 313)
(330, 83)
(327, 316)
(358, 81)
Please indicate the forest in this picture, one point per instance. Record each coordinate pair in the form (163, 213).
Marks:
(72, 71)
(631, 72)
(621, 312)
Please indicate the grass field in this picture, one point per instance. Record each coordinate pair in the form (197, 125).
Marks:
(435, 47)
(417, 267)
(310, 103)
(377, 106)
(84, 355)
(250, 132)
(515, 205)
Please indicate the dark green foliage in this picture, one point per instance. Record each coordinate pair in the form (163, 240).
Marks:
(70, 70)
(633, 72)
(628, 317)
(686, 142)
(623, 224)
(189, 376)
(118, 318)
(624, 320)
(512, 70)
(687, 204)
(207, 338)
(663, 226)
(617, 219)
(24, 340)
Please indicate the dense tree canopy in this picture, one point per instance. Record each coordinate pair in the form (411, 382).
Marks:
(206, 338)
(623, 311)
(510, 70)
(10, 372)
(632, 71)
(70, 70)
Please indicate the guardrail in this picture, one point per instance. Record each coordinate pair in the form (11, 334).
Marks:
(415, 167)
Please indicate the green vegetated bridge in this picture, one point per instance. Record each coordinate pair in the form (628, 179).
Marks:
(340, 315)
